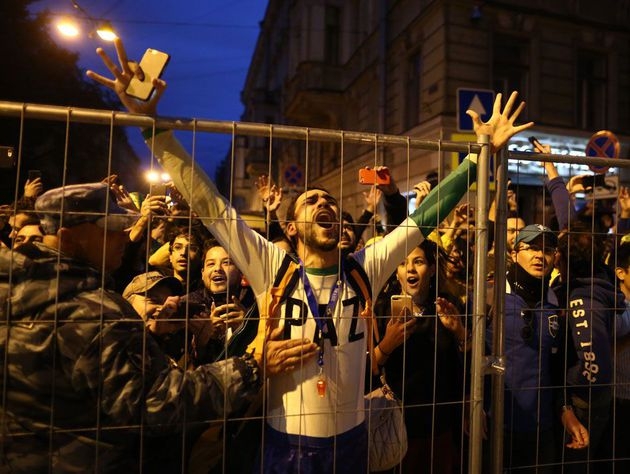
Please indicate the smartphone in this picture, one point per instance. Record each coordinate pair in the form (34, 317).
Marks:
(402, 305)
(534, 141)
(371, 176)
(219, 298)
(159, 189)
(152, 64)
(592, 181)
(34, 174)
(7, 157)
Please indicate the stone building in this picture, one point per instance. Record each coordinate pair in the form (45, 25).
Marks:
(395, 67)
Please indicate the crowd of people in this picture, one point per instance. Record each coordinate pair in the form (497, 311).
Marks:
(165, 335)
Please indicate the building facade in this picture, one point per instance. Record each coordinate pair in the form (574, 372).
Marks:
(395, 67)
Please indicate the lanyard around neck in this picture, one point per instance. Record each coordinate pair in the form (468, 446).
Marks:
(320, 320)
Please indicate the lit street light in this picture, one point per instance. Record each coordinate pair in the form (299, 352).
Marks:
(68, 26)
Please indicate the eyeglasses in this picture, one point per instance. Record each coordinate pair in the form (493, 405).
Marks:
(537, 248)
(528, 330)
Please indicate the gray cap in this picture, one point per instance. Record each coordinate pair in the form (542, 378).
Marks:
(145, 281)
(76, 204)
(533, 231)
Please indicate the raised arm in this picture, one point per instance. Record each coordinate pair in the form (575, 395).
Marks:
(565, 212)
(441, 200)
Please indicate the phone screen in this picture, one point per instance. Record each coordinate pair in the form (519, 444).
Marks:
(152, 64)
(34, 174)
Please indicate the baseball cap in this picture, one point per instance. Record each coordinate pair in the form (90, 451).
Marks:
(145, 281)
(533, 231)
(76, 204)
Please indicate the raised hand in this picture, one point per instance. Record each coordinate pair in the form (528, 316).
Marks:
(122, 196)
(32, 189)
(500, 127)
(122, 77)
(269, 193)
(372, 198)
(388, 189)
(422, 189)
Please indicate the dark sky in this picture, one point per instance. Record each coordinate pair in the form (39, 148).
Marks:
(211, 43)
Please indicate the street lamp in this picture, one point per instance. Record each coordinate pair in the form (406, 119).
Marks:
(68, 26)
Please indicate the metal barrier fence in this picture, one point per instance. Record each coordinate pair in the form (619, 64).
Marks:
(475, 460)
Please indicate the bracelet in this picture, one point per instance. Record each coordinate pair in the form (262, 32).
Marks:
(147, 133)
(382, 351)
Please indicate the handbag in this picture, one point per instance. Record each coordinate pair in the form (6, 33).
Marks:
(387, 442)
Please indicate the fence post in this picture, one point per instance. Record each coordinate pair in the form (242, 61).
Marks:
(496, 362)
(479, 310)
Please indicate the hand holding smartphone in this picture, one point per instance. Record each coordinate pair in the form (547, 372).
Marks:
(159, 189)
(152, 65)
(34, 174)
(401, 306)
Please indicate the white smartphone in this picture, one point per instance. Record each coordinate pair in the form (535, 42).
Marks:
(152, 64)
(402, 305)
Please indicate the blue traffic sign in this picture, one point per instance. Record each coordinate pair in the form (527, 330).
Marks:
(479, 100)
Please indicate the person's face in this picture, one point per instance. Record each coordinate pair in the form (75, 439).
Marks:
(535, 258)
(17, 222)
(414, 274)
(219, 273)
(455, 262)
(150, 303)
(101, 249)
(28, 234)
(348, 237)
(181, 252)
(514, 225)
(316, 220)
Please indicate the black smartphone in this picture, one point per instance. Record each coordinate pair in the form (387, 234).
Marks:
(7, 157)
(34, 174)
(152, 64)
(219, 298)
(534, 141)
(159, 189)
(591, 181)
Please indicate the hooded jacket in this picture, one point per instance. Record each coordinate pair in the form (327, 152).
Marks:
(591, 304)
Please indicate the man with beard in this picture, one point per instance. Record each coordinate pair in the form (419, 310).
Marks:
(315, 408)
(533, 338)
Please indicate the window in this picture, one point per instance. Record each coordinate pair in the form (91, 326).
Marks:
(591, 90)
(510, 66)
(413, 96)
(332, 35)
